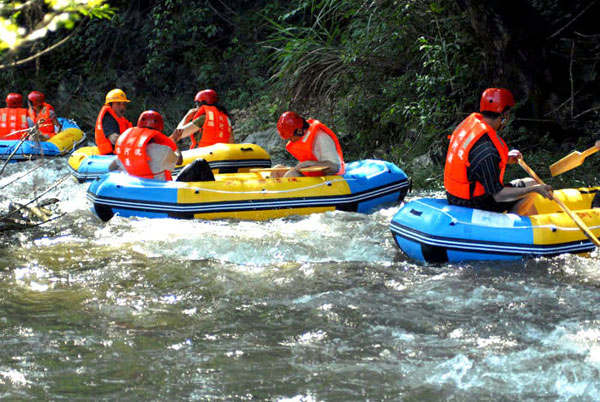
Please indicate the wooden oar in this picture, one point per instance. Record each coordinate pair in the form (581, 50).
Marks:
(285, 169)
(571, 161)
(574, 217)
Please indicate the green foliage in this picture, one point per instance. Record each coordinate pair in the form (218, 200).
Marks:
(392, 77)
(177, 46)
(29, 21)
(389, 70)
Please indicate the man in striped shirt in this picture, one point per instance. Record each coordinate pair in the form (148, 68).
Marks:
(477, 158)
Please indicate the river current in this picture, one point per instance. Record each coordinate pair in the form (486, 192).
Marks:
(310, 308)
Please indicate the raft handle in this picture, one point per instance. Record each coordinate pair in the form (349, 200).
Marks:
(246, 149)
(415, 212)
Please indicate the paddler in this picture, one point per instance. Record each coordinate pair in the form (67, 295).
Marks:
(210, 117)
(312, 143)
(111, 121)
(144, 151)
(42, 114)
(477, 158)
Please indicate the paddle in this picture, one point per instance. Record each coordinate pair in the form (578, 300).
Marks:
(571, 161)
(574, 217)
(285, 169)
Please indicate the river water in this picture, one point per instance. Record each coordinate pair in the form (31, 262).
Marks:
(313, 308)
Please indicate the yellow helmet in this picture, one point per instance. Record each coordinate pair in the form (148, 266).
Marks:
(116, 95)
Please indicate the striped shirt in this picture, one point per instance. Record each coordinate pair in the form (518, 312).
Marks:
(484, 167)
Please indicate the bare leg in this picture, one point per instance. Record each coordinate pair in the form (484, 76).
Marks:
(526, 205)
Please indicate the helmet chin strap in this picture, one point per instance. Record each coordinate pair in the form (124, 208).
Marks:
(503, 121)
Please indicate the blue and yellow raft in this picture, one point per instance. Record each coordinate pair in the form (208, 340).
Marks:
(86, 164)
(431, 230)
(365, 185)
(61, 144)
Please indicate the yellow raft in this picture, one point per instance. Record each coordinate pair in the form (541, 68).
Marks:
(86, 164)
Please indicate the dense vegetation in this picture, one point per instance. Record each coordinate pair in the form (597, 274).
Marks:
(394, 76)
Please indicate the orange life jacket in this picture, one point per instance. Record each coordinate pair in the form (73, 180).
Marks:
(457, 160)
(104, 145)
(303, 148)
(47, 127)
(216, 128)
(13, 119)
(130, 148)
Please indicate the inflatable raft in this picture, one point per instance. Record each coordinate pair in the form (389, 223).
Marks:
(86, 164)
(61, 144)
(431, 230)
(365, 186)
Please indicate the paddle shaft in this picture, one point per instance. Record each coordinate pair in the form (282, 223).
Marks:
(16, 132)
(574, 217)
(285, 169)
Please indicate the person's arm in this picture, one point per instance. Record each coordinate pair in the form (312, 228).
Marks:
(513, 156)
(179, 155)
(111, 128)
(188, 129)
(485, 169)
(332, 167)
(55, 121)
(115, 164)
(516, 193)
(326, 154)
(186, 119)
(484, 165)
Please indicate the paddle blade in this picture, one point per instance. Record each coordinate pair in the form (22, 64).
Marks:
(571, 161)
(567, 163)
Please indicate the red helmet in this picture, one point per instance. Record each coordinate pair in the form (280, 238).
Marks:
(36, 98)
(14, 100)
(496, 100)
(208, 96)
(151, 119)
(288, 123)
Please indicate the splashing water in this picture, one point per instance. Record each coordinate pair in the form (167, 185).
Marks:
(320, 307)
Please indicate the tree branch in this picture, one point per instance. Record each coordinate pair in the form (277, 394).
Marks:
(572, 20)
(39, 54)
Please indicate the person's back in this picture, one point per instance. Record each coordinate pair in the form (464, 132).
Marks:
(13, 118)
(144, 151)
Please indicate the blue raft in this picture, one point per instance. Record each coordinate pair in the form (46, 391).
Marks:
(365, 186)
(431, 230)
(62, 143)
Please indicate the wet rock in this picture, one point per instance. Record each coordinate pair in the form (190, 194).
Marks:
(422, 162)
(271, 142)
